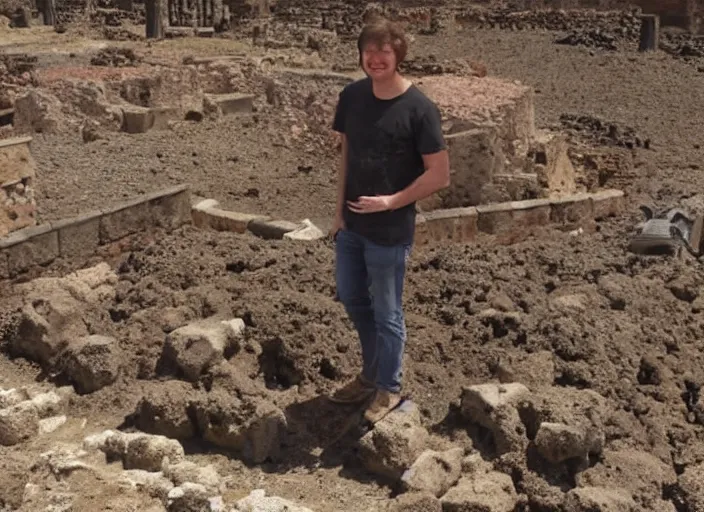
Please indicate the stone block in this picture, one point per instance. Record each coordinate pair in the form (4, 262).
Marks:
(205, 31)
(456, 224)
(495, 218)
(223, 220)
(552, 163)
(16, 161)
(125, 219)
(469, 102)
(4, 265)
(235, 103)
(178, 31)
(608, 203)
(80, 236)
(532, 212)
(171, 208)
(17, 216)
(143, 119)
(271, 229)
(573, 209)
(475, 158)
(31, 246)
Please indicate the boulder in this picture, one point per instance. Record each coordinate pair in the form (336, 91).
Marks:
(149, 482)
(254, 427)
(494, 407)
(558, 443)
(92, 362)
(188, 497)
(395, 442)
(149, 452)
(587, 499)
(164, 410)
(486, 491)
(415, 502)
(434, 472)
(194, 348)
(258, 501)
(187, 471)
(18, 423)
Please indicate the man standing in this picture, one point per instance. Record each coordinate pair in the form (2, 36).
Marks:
(393, 154)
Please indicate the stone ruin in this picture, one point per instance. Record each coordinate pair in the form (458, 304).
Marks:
(17, 174)
(496, 153)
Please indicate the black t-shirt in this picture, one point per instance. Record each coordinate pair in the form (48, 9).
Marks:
(386, 140)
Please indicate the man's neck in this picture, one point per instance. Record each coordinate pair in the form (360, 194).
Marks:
(389, 89)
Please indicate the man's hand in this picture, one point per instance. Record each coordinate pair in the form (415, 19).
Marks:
(371, 204)
(338, 225)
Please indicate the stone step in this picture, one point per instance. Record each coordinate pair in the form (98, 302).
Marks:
(234, 103)
(142, 119)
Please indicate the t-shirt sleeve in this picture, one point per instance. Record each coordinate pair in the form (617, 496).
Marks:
(338, 123)
(428, 132)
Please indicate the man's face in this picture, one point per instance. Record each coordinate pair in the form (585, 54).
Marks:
(379, 62)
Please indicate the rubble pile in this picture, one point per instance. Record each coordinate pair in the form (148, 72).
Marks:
(602, 132)
(115, 57)
(17, 69)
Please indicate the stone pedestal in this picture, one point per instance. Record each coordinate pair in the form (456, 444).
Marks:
(17, 173)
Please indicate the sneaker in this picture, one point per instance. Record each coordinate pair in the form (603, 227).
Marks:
(384, 402)
(354, 392)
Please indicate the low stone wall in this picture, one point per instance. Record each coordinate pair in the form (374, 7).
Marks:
(81, 237)
(513, 221)
(510, 221)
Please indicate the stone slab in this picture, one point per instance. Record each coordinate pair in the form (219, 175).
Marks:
(235, 103)
(495, 218)
(573, 209)
(40, 246)
(178, 31)
(4, 265)
(16, 161)
(125, 219)
(455, 224)
(171, 208)
(79, 237)
(271, 229)
(532, 212)
(223, 220)
(142, 119)
(608, 203)
(205, 31)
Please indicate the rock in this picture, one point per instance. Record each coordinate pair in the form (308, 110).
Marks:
(149, 482)
(583, 409)
(258, 501)
(494, 407)
(164, 411)
(49, 425)
(487, 492)
(434, 472)
(252, 426)
(690, 488)
(307, 231)
(588, 499)
(558, 443)
(501, 302)
(48, 404)
(12, 397)
(187, 471)
(92, 363)
(395, 442)
(188, 497)
(149, 452)
(18, 423)
(197, 346)
(638, 473)
(415, 502)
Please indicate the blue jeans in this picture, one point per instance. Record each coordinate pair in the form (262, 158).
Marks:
(370, 285)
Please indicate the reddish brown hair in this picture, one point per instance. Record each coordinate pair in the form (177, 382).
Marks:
(379, 31)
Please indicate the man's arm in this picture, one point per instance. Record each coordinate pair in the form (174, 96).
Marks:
(436, 177)
(341, 179)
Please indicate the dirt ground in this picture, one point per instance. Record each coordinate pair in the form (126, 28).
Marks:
(562, 314)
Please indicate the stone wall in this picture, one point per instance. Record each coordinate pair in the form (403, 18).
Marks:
(17, 174)
(79, 238)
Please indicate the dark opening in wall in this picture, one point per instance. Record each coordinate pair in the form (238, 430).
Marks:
(7, 116)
